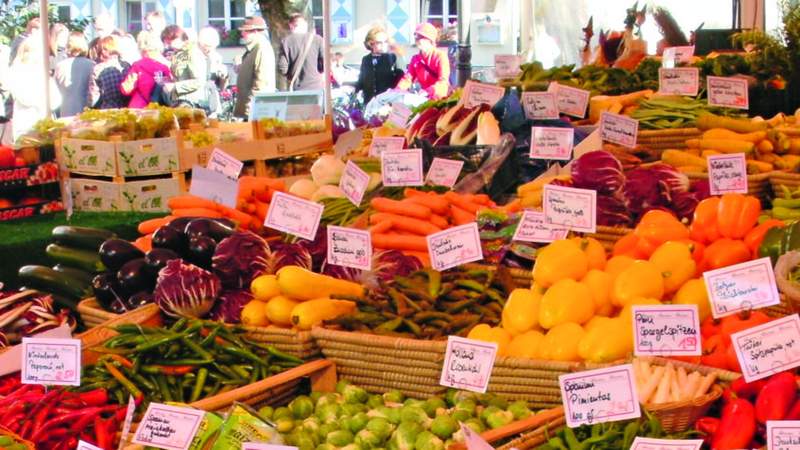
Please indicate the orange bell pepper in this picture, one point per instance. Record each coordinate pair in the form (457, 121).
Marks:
(737, 214)
(698, 250)
(628, 245)
(724, 252)
(704, 221)
(657, 227)
(756, 235)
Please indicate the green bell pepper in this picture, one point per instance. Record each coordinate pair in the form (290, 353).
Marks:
(778, 241)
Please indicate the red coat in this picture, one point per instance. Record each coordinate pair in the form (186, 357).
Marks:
(431, 71)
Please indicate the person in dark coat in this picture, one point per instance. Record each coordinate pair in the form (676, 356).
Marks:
(309, 69)
(379, 71)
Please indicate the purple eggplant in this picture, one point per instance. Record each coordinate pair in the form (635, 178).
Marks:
(170, 238)
(157, 258)
(139, 299)
(208, 227)
(134, 277)
(114, 253)
(201, 250)
(106, 290)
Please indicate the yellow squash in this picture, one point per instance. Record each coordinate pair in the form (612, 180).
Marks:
(279, 310)
(253, 314)
(675, 261)
(566, 301)
(694, 292)
(617, 265)
(265, 287)
(486, 333)
(521, 312)
(640, 279)
(561, 343)
(527, 345)
(302, 284)
(562, 259)
(313, 312)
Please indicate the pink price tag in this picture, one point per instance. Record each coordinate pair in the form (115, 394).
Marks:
(473, 440)
(293, 215)
(598, 396)
(225, 164)
(399, 115)
(727, 174)
(349, 247)
(571, 101)
(534, 228)
(168, 427)
(51, 362)
(728, 92)
(382, 144)
(476, 94)
(444, 172)
(215, 186)
(507, 66)
(540, 105)
(640, 443)
(679, 81)
(618, 129)
(768, 349)
(455, 246)
(783, 434)
(126, 424)
(668, 330)
(741, 287)
(468, 364)
(402, 167)
(679, 54)
(570, 208)
(354, 182)
(552, 143)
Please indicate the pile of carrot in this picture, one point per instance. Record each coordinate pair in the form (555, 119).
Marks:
(404, 224)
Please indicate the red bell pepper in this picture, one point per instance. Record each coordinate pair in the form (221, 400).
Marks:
(737, 426)
(708, 426)
(794, 411)
(710, 327)
(776, 397)
(746, 390)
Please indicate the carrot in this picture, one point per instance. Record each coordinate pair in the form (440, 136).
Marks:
(196, 212)
(249, 185)
(382, 227)
(423, 257)
(242, 219)
(436, 203)
(188, 201)
(417, 226)
(395, 242)
(150, 226)
(411, 192)
(461, 217)
(261, 210)
(409, 209)
(462, 202)
(482, 199)
(513, 206)
(144, 243)
(439, 221)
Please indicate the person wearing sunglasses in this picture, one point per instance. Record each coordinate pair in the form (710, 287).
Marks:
(379, 71)
(430, 68)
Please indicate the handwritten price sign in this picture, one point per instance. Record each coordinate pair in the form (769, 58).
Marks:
(402, 168)
(293, 215)
(168, 427)
(382, 144)
(783, 434)
(727, 174)
(468, 364)
(571, 101)
(455, 246)
(741, 287)
(51, 362)
(679, 54)
(552, 143)
(669, 330)
(534, 228)
(679, 81)
(598, 396)
(540, 105)
(619, 129)
(349, 247)
(354, 183)
(728, 92)
(768, 349)
(225, 164)
(476, 94)
(444, 172)
(399, 115)
(507, 66)
(641, 443)
(213, 185)
(570, 208)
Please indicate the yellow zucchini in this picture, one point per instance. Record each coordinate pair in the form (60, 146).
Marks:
(765, 146)
(727, 145)
(677, 158)
(707, 153)
(723, 133)
(754, 167)
(707, 121)
(298, 283)
(309, 314)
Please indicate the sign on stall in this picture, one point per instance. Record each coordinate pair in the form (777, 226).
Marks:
(679, 81)
(402, 167)
(741, 287)
(533, 227)
(168, 427)
(507, 66)
(349, 247)
(382, 144)
(552, 143)
(354, 183)
(51, 362)
(598, 396)
(728, 92)
(468, 364)
(727, 174)
(570, 208)
(571, 101)
(476, 94)
(768, 349)
(293, 215)
(444, 172)
(641, 443)
(540, 105)
(225, 164)
(619, 129)
(666, 330)
(455, 246)
(783, 434)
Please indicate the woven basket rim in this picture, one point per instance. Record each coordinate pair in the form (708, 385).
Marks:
(709, 397)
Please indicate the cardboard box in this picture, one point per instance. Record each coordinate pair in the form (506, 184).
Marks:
(88, 157)
(139, 196)
(120, 158)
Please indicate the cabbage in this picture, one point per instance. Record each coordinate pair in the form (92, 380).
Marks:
(643, 191)
(673, 180)
(611, 211)
(185, 290)
(598, 170)
(684, 204)
(327, 169)
(240, 258)
(386, 264)
(230, 304)
(285, 254)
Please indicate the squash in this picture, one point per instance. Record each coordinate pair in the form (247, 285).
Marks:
(302, 284)
(309, 314)
(279, 310)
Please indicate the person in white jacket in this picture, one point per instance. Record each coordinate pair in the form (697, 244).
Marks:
(26, 83)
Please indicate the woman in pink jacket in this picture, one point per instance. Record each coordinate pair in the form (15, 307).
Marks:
(430, 68)
(145, 73)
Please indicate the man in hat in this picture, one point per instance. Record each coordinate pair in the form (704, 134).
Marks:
(430, 68)
(257, 71)
(301, 57)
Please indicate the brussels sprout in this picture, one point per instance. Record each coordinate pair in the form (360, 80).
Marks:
(301, 407)
(380, 427)
(367, 439)
(499, 418)
(468, 405)
(304, 442)
(325, 446)
(444, 426)
(460, 415)
(428, 441)
(405, 435)
(327, 399)
(413, 402)
(476, 425)
(351, 409)
(394, 397)
(266, 412)
(519, 409)
(329, 413)
(488, 411)
(325, 429)
(432, 404)
(354, 394)
(282, 412)
(340, 438)
(341, 385)
(494, 400)
(311, 425)
(454, 396)
(414, 414)
(350, 447)
(390, 414)
(356, 423)
(284, 424)
(374, 401)
(315, 396)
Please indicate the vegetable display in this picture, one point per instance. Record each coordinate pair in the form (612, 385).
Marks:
(615, 435)
(665, 384)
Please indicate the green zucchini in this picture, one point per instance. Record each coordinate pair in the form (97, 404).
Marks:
(78, 274)
(80, 237)
(48, 280)
(80, 259)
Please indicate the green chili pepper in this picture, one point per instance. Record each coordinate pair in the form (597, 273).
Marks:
(155, 343)
(196, 349)
(202, 374)
(180, 323)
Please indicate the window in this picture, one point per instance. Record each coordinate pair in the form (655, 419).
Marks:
(63, 11)
(135, 12)
(441, 13)
(227, 14)
(316, 16)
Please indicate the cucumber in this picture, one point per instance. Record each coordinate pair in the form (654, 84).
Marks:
(48, 280)
(80, 237)
(80, 259)
(78, 274)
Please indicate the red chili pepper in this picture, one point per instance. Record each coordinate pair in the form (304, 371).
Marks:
(776, 397)
(737, 426)
(176, 370)
(101, 431)
(708, 426)
(95, 397)
(66, 418)
(746, 390)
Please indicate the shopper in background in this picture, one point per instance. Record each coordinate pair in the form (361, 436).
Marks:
(107, 75)
(26, 81)
(103, 25)
(257, 70)
(155, 22)
(146, 73)
(127, 46)
(430, 67)
(338, 70)
(72, 76)
(208, 41)
(32, 27)
(173, 38)
(379, 71)
(59, 35)
(189, 69)
(301, 56)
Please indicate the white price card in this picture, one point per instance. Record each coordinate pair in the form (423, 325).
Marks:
(552, 143)
(354, 183)
(641, 443)
(215, 186)
(126, 424)
(444, 172)
(399, 115)
(294, 215)
(225, 164)
(382, 144)
(598, 396)
(741, 287)
(768, 349)
(402, 168)
(728, 92)
(571, 101)
(507, 66)
(51, 362)
(679, 54)
(533, 227)
(476, 94)
(727, 174)
(570, 208)
(455, 246)
(783, 434)
(679, 81)
(619, 129)
(168, 427)
(83, 445)
(473, 440)
(666, 330)
(540, 105)
(468, 364)
(349, 247)
(254, 446)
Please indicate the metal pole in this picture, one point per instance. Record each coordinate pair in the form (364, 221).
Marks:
(464, 57)
(326, 31)
(45, 28)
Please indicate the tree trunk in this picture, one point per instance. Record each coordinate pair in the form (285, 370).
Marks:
(276, 13)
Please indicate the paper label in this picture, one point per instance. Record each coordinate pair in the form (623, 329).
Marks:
(640, 443)
(168, 427)
(294, 215)
(727, 174)
(533, 227)
(11, 359)
(681, 54)
(507, 66)
(570, 208)
(468, 364)
(783, 434)
(51, 362)
(402, 167)
(455, 246)
(552, 143)
(618, 129)
(382, 144)
(473, 440)
(729, 92)
(679, 81)
(225, 164)
(354, 182)
(254, 446)
(571, 101)
(349, 247)
(745, 286)
(126, 425)
(768, 349)
(214, 186)
(83, 445)
(399, 115)
(540, 105)
(476, 94)
(444, 172)
(668, 330)
(598, 396)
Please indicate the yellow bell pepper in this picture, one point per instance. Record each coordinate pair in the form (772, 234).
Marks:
(566, 301)
(694, 292)
(561, 343)
(595, 322)
(675, 261)
(599, 284)
(595, 253)
(617, 265)
(640, 279)
(562, 259)
(527, 345)
(610, 340)
(521, 312)
(486, 333)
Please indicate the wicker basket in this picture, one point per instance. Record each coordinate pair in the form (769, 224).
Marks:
(92, 314)
(758, 185)
(608, 236)
(678, 417)
(785, 308)
(6, 432)
(666, 139)
(779, 178)
(521, 277)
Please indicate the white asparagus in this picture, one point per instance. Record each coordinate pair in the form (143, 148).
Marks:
(662, 393)
(682, 377)
(695, 378)
(647, 371)
(639, 379)
(652, 384)
(705, 385)
(675, 388)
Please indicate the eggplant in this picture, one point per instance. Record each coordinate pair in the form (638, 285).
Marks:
(157, 258)
(171, 238)
(118, 307)
(134, 276)
(106, 290)
(139, 299)
(114, 253)
(201, 250)
(181, 222)
(208, 227)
